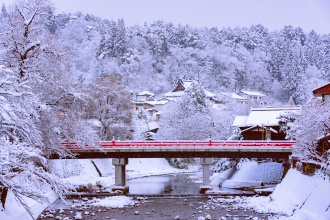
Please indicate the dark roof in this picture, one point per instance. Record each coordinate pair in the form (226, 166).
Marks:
(325, 89)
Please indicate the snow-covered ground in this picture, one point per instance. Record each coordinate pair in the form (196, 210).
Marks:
(14, 210)
(83, 172)
(298, 196)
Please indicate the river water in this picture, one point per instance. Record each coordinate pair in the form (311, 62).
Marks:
(178, 196)
(173, 184)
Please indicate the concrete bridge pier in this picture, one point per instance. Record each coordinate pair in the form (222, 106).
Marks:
(206, 162)
(286, 166)
(120, 175)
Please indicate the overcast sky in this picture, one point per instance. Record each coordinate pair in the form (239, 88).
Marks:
(273, 14)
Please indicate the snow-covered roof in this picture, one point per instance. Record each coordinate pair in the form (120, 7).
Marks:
(95, 123)
(209, 94)
(316, 92)
(187, 83)
(233, 95)
(240, 121)
(174, 94)
(161, 102)
(252, 93)
(153, 125)
(180, 93)
(146, 93)
(264, 116)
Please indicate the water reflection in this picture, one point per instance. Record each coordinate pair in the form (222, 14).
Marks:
(176, 184)
(165, 184)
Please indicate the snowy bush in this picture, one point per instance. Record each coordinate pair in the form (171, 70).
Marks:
(181, 163)
(222, 164)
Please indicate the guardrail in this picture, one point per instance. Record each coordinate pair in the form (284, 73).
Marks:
(177, 144)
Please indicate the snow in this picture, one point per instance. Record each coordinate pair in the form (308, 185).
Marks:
(15, 210)
(209, 94)
(161, 102)
(174, 94)
(152, 125)
(83, 172)
(266, 116)
(240, 121)
(252, 93)
(249, 174)
(146, 93)
(113, 202)
(233, 96)
(297, 197)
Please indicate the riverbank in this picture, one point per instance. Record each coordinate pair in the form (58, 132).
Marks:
(154, 208)
(297, 197)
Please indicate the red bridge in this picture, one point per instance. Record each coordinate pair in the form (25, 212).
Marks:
(120, 151)
(183, 149)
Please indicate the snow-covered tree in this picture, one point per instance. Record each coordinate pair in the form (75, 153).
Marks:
(38, 58)
(308, 129)
(3, 11)
(24, 37)
(110, 104)
(187, 118)
(310, 80)
(24, 170)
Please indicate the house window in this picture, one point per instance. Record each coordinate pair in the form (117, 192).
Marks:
(326, 99)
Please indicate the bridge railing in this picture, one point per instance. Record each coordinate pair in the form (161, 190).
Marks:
(178, 144)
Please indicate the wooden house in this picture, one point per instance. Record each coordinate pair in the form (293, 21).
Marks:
(263, 123)
(323, 93)
(180, 88)
(178, 91)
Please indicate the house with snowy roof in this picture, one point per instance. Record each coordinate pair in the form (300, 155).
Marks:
(323, 93)
(145, 96)
(254, 97)
(178, 91)
(180, 88)
(264, 123)
(230, 96)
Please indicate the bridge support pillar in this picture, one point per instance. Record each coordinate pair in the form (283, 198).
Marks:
(286, 166)
(120, 175)
(205, 162)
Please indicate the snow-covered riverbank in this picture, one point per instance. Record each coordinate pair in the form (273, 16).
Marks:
(298, 196)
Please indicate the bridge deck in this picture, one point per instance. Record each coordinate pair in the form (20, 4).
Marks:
(182, 149)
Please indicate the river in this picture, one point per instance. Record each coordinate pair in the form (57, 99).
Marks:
(158, 197)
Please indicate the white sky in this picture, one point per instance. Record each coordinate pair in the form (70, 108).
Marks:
(273, 14)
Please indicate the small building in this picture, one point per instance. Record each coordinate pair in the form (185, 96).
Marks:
(145, 96)
(323, 93)
(254, 97)
(158, 105)
(263, 123)
(180, 88)
(178, 91)
(228, 97)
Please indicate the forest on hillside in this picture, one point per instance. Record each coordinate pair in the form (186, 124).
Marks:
(285, 63)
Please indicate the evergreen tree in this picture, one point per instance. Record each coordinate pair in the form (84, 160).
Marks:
(3, 11)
